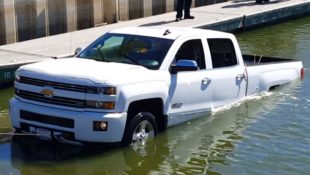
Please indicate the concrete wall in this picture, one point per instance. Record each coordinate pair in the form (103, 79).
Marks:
(56, 16)
(136, 9)
(9, 22)
(40, 22)
(206, 2)
(159, 7)
(2, 22)
(22, 20)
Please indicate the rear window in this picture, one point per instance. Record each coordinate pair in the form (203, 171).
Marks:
(222, 53)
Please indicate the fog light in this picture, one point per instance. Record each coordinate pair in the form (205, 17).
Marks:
(107, 105)
(100, 126)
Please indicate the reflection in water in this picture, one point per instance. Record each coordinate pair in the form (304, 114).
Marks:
(286, 40)
(197, 147)
(35, 157)
(5, 126)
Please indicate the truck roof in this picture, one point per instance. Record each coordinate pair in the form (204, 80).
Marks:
(169, 32)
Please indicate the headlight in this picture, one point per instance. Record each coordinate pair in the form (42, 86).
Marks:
(102, 90)
(100, 105)
(107, 90)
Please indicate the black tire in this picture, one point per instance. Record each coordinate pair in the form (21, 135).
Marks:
(266, 0)
(259, 1)
(140, 128)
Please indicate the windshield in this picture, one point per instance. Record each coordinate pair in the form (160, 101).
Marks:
(129, 49)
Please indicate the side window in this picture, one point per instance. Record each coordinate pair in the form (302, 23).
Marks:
(222, 53)
(192, 50)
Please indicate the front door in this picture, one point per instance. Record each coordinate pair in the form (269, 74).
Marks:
(189, 91)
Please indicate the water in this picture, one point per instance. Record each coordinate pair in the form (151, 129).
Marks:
(269, 134)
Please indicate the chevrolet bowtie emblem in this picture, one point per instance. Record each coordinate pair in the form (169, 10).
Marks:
(47, 92)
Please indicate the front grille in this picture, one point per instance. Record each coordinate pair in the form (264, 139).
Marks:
(51, 100)
(58, 121)
(58, 85)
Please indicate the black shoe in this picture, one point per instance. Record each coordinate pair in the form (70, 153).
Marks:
(189, 17)
(178, 19)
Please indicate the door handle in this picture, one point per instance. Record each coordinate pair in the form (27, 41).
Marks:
(240, 77)
(206, 81)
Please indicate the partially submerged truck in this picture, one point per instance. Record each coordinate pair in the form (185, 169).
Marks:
(256, 1)
(134, 82)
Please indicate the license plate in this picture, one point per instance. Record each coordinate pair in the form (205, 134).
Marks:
(41, 133)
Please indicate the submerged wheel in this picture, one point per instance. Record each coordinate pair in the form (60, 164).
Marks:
(141, 128)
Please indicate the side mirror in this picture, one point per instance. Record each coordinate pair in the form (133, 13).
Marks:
(184, 65)
(77, 51)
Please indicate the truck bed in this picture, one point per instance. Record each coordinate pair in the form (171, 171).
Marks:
(253, 60)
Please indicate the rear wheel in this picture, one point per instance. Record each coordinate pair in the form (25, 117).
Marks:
(259, 1)
(141, 128)
(266, 0)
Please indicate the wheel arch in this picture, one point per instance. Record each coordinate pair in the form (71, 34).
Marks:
(153, 105)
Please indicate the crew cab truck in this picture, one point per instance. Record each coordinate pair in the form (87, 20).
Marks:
(256, 1)
(133, 82)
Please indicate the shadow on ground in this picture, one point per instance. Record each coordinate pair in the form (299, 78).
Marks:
(157, 23)
(242, 3)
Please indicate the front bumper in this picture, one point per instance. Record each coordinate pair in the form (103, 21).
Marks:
(79, 124)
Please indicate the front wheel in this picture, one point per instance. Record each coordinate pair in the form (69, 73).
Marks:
(141, 128)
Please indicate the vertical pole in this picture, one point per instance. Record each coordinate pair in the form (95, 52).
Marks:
(117, 10)
(40, 27)
(110, 11)
(123, 8)
(98, 12)
(193, 4)
(169, 5)
(2, 29)
(147, 8)
(47, 29)
(10, 21)
(71, 14)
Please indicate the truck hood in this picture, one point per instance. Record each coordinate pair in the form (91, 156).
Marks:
(90, 70)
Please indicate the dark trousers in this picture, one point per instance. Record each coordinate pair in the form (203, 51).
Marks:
(183, 4)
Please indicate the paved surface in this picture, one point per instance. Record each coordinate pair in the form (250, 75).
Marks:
(11, 58)
(205, 16)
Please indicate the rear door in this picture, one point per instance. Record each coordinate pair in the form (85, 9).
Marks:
(227, 75)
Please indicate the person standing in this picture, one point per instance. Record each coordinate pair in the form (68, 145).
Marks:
(186, 5)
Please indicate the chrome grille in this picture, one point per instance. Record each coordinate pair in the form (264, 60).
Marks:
(52, 100)
(58, 85)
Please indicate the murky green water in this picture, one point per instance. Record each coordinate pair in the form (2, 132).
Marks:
(267, 135)
(5, 95)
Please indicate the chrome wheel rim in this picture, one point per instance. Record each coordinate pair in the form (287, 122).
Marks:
(142, 132)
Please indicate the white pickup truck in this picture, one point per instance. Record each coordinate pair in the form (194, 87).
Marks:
(133, 82)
